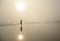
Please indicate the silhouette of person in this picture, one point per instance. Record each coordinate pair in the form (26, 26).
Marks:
(21, 25)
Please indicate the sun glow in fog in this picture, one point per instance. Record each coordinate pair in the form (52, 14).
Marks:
(20, 6)
(20, 37)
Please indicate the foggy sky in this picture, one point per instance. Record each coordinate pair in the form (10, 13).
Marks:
(36, 11)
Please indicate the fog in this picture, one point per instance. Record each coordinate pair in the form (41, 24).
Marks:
(41, 20)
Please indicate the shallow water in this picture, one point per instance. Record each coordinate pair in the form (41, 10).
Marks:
(31, 32)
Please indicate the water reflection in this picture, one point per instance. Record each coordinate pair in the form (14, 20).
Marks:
(20, 37)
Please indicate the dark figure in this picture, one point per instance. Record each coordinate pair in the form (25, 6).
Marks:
(21, 22)
(21, 25)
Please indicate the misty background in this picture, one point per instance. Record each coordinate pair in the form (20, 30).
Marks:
(41, 20)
